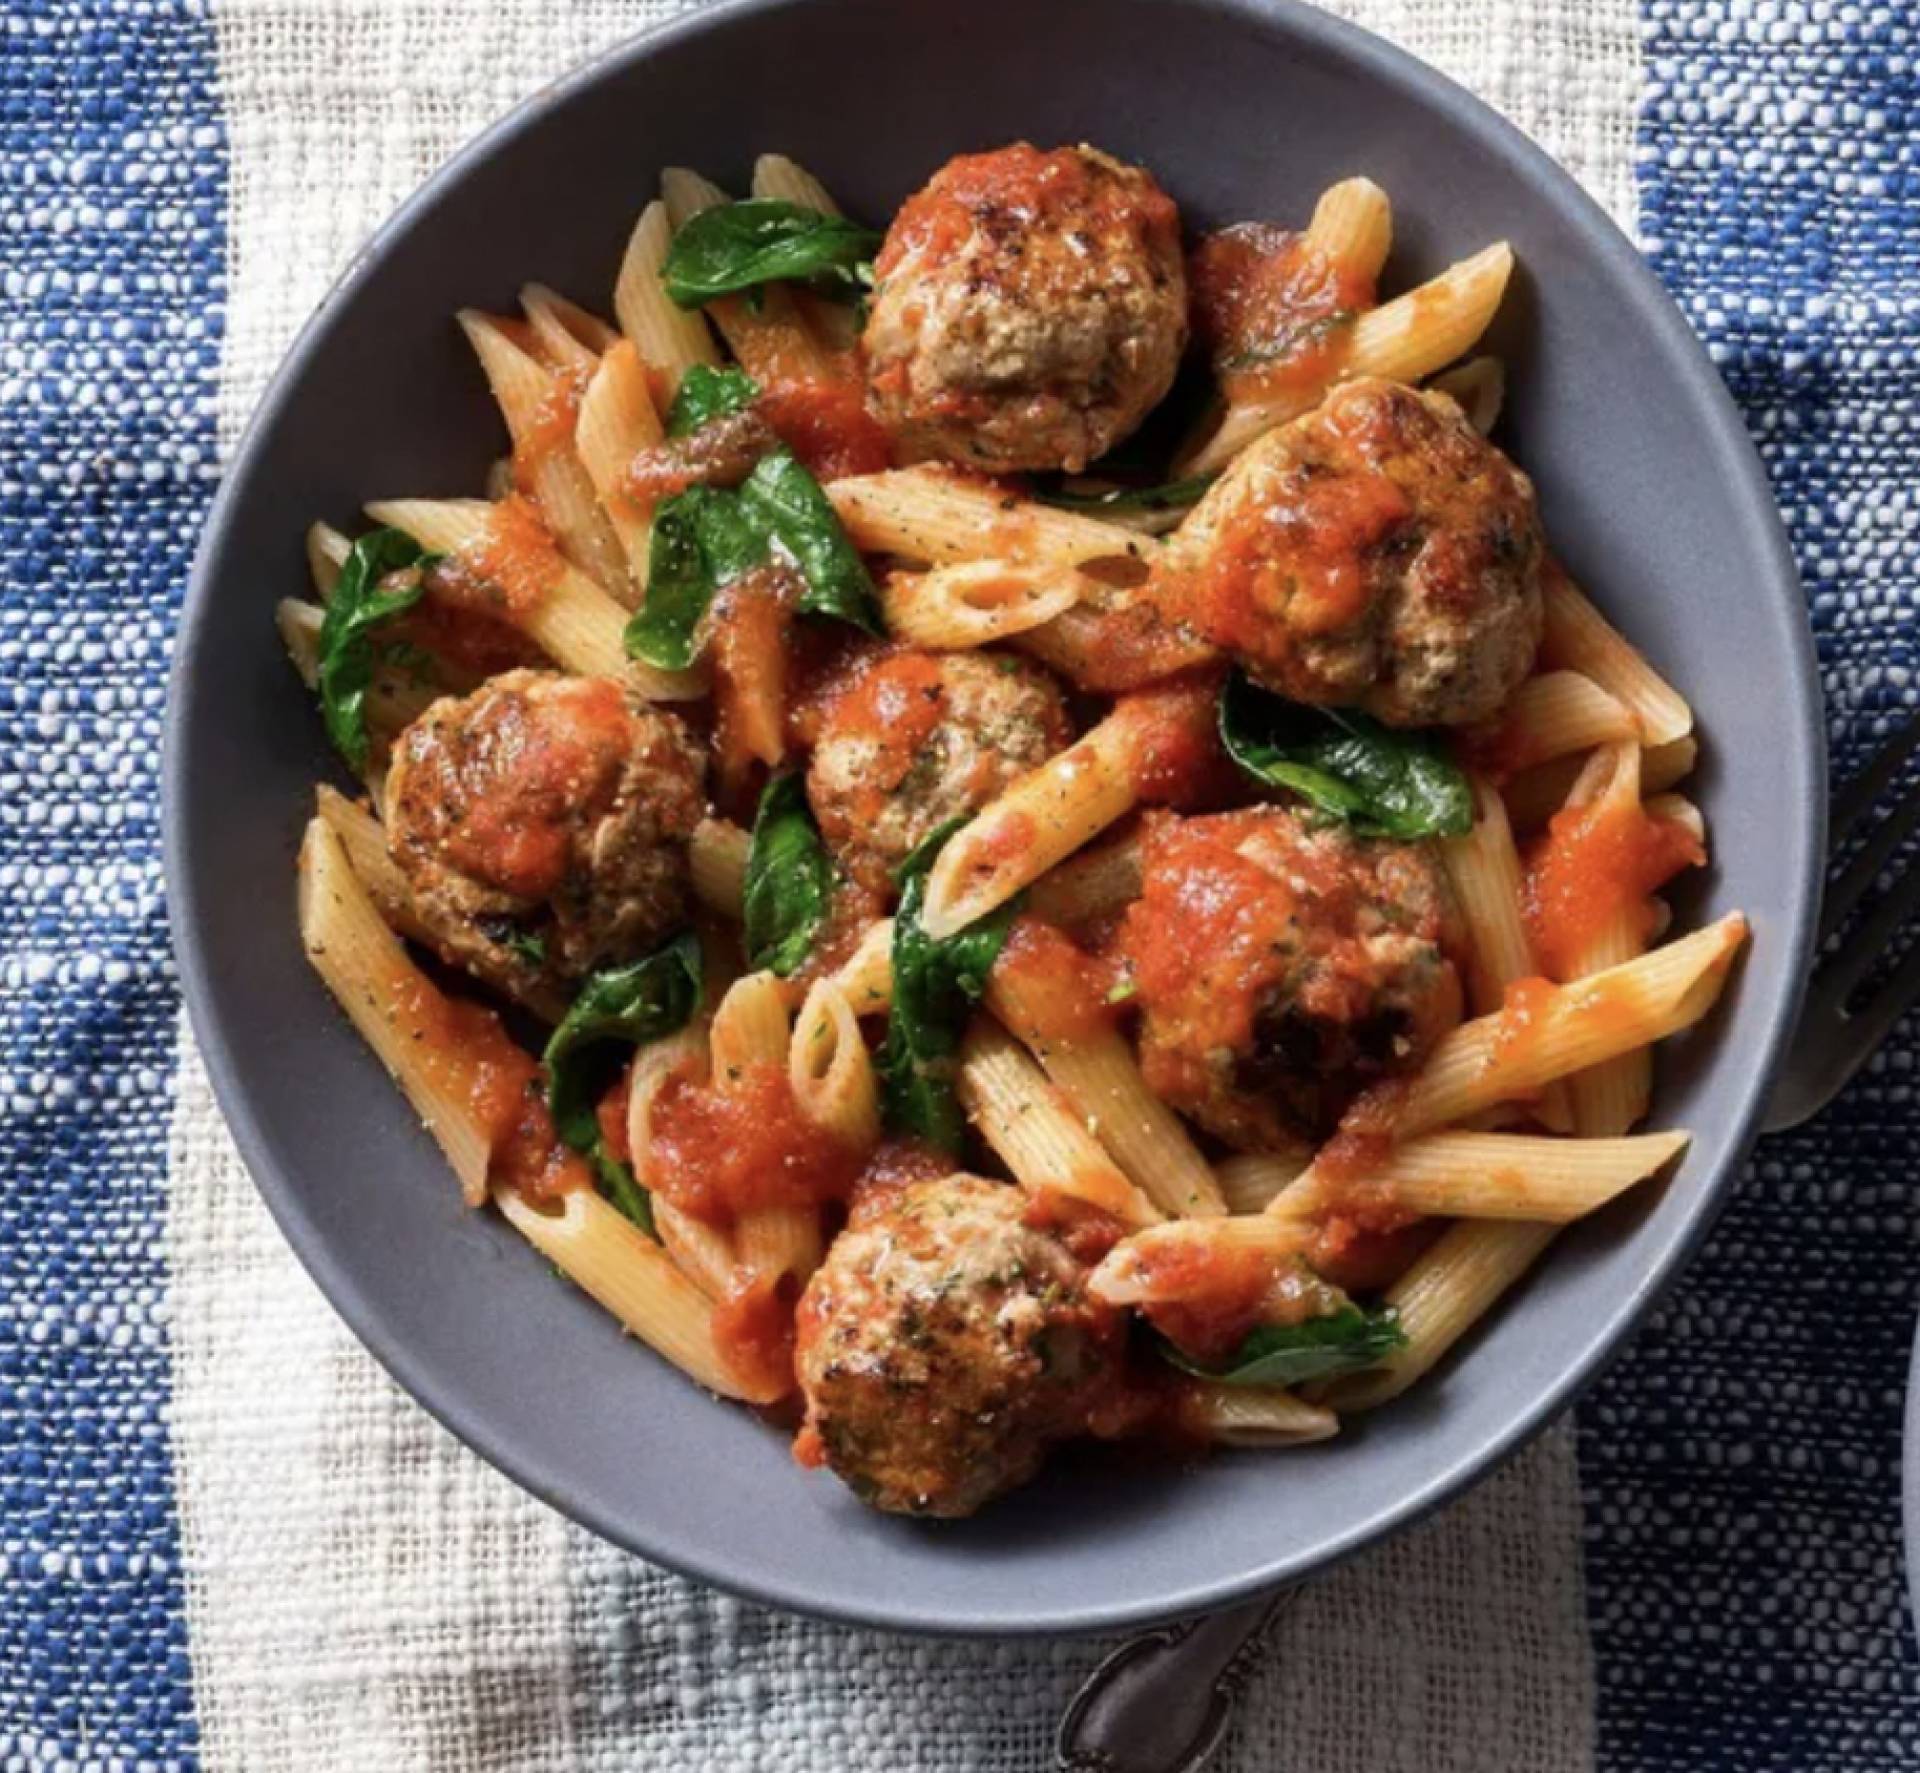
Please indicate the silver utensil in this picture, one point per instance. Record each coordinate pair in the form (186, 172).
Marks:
(1163, 1702)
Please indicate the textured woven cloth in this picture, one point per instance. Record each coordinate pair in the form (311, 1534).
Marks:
(226, 1540)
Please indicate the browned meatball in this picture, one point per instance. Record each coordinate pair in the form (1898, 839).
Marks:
(1280, 966)
(945, 1345)
(542, 824)
(1031, 310)
(913, 740)
(1377, 553)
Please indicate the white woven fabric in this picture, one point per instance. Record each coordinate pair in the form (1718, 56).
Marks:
(364, 1593)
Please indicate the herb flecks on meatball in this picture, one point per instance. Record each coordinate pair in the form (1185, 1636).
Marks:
(542, 824)
(945, 1345)
(1377, 553)
(1031, 309)
(1282, 965)
(912, 740)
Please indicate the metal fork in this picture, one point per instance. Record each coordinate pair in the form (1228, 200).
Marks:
(1163, 1702)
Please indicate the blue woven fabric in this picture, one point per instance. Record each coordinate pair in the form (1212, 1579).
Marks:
(1741, 1465)
(112, 186)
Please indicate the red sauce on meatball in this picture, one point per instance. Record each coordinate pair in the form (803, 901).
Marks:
(1595, 865)
(529, 778)
(893, 1165)
(1271, 309)
(457, 621)
(719, 1152)
(1019, 188)
(1176, 755)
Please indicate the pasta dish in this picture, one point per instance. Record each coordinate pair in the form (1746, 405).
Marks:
(1006, 830)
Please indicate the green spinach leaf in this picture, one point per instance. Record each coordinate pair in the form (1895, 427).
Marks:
(1383, 781)
(707, 394)
(737, 246)
(788, 501)
(365, 595)
(935, 986)
(789, 888)
(617, 1008)
(1290, 1354)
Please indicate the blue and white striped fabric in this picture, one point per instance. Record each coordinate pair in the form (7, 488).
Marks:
(226, 1542)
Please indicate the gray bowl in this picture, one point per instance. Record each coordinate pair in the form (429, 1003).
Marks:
(1650, 490)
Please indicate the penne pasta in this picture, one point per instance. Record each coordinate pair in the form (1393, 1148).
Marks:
(670, 339)
(776, 179)
(1258, 1416)
(618, 1265)
(1090, 886)
(1400, 341)
(1488, 1176)
(617, 421)
(718, 857)
(1549, 716)
(975, 602)
(865, 978)
(1479, 388)
(540, 406)
(327, 551)
(830, 1069)
(568, 337)
(1153, 1265)
(577, 624)
(753, 1025)
(1535, 795)
(1352, 225)
(1579, 638)
(1251, 1181)
(399, 1012)
(1035, 1132)
(1448, 1289)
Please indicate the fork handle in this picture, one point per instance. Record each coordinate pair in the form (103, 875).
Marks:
(1163, 1701)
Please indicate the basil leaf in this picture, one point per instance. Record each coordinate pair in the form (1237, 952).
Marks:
(935, 986)
(1290, 1354)
(617, 1007)
(702, 539)
(737, 246)
(359, 605)
(1382, 781)
(788, 501)
(789, 887)
(706, 394)
(1175, 495)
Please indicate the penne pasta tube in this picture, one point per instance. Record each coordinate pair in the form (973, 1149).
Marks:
(399, 1012)
(1556, 1030)
(1400, 341)
(1479, 388)
(327, 551)
(669, 338)
(932, 515)
(1352, 226)
(394, 702)
(1258, 1416)
(365, 844)
(976, 602)
(1251, 1181)
(718, 855)
(558, 607)
(1549, 716)
(1154, 1265)
(1041, 820)
(568, 335)
(830, 1069)
(617, 421)
(1095, 1070)
(753, 1025)
(1034, 1131)
(780, 180)
(865, 977)
(703, 1252)
(1092, 885)
(540, 407)
(1535, 795)
(1579, 638)
(1448, 1289)
(618, 1265)
(1489, 1176)
(774, 1243)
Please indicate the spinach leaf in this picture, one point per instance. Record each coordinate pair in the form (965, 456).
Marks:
(935, 986)
(800, 517)
(1174, 495)
(702, 539)
(739, 246)
(618, 1007)
(1291, 1354)
(707, 394)
(361, 601)
(1383, 781)
(789, 878)
(706, 537)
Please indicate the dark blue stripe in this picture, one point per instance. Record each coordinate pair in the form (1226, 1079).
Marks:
(112, 254)
(1741, 1465)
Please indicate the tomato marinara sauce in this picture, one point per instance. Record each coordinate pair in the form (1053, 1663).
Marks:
(1273, 311)
(1595, 865)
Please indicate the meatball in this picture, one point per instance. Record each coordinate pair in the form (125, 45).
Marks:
(1280, 966)
(1031, 309)
(542, 824)
(945, 1345)
(913, 740)
(1377, 553)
